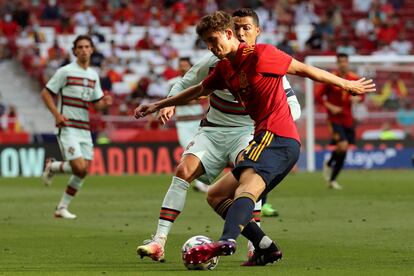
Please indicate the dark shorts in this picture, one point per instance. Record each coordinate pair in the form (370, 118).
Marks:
(341, 133)
(271, 156)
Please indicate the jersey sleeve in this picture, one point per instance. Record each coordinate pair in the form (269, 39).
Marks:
(197, 73)
(57, 81)
(272, 60)
(215, 81)
(97, 92)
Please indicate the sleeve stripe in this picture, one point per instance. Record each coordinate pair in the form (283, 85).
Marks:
(289, 92)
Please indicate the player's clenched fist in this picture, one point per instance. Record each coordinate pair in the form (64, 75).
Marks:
(144, 109)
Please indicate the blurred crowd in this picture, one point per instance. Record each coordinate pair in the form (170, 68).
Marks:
(137, 49)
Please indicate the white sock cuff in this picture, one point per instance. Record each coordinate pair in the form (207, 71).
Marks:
(265, 242)
(180, 183)
(258, 205)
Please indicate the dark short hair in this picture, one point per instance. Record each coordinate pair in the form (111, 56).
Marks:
(79, 38)
(187, 59)
(217, 21)
(341, 55)
(247, 12)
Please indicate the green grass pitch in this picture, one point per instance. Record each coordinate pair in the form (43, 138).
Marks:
(365, 229)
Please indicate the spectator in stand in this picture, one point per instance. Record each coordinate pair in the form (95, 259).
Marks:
(285, 46)
(314, 42)
(393, 91)
(170, 72)
(9, 27)
(387, 32)
(96, 36)
(267, 16)
(51, 11)
(125, 12)
(401, 45)
(21, 14)
(168, 51)
(66, 26)
(363, 27)
(13, 121)
(121, 26)
(405, 117)
(55, 58)
(324, 27)
(145, 43)
(375, 14)
(112, 54)
(139, 94)
(158, 88)
(361, 5)
(97, 58)
(55, 52)
(304, 13)
(384, 50)
(84, 17)
(346, 47)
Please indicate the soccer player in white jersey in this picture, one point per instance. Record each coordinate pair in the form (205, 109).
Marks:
(76, 85)
(187, 116)
(224, 133)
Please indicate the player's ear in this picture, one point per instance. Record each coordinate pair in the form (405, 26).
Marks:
(229, 33)
(73, 51)
(258, 31)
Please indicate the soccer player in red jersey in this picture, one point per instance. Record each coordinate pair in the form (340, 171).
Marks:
(253, 74)
(340, 119)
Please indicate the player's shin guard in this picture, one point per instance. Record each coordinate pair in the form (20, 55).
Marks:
(61, 167)
(338, 165)
(172, 205)
(74, 184)
(238, 216)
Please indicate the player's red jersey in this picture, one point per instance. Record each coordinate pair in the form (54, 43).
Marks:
(338, 97)
(255, 79)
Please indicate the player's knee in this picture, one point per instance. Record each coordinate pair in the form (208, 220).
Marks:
(184, 172)
(80, 171)
(342, 146)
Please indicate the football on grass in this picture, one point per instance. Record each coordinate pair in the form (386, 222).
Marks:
(195, 241)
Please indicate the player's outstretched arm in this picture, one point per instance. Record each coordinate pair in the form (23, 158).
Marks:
(189, 94)
(357, 87)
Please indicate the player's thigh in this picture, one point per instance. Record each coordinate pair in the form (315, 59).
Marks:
(186, 131)
(86, 146)
(70, 147)
(338, 133)
(271, 157)
(210, 153)
(238, 145)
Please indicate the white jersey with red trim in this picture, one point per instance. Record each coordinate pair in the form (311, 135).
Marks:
(75, 87)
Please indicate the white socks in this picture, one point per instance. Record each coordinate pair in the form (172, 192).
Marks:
(74, 184)
(172, 205)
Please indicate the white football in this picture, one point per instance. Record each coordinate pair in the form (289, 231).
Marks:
(195, 241)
